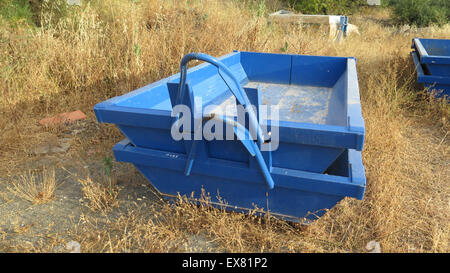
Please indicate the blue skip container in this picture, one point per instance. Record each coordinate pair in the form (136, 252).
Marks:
(294, 166)
(434, 55)
(432, 60)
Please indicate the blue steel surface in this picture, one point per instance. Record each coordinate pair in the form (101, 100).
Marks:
(440, 84)
(434, 55)
(138, 109)
(321, 131)
(325, 117)
(296, 193)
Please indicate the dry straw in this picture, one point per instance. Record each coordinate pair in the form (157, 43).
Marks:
(37, 188)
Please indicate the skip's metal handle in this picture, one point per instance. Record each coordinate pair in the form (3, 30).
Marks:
(241, 97)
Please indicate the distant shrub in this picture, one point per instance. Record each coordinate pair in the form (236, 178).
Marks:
(16, 11)
(33, 12)
(421, 12)
(337, 7)
(258, 7)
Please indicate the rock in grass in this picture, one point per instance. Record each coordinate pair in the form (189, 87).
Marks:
(373, 247)
(60, 146)
(63, 118)
(73, 247)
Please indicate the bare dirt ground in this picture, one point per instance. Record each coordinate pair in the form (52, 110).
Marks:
(23, 223)
(49, 226)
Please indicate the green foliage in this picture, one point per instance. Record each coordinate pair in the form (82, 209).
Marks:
(137, 51)
(337, 7)
(35, 12)
(107, 165)
(258, 7)
(16, 11)
(421, 12)
(385, 3)
(311, 7)
(285, 47)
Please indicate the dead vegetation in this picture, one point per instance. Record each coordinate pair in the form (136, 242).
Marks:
(37, 188)
(102, 195)
(109, 48)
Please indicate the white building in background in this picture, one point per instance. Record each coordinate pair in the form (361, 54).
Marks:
(373, 2)
(74, 2)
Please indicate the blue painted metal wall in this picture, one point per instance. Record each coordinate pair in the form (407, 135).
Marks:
(432, 60)
(315, 166)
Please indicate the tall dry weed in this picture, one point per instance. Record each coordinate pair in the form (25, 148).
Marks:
(100, 194)
(37, 188)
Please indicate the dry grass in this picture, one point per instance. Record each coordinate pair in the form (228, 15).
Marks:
(101, 195)
(111, 47)
(36, 188)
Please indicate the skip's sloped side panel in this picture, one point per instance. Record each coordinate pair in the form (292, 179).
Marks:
(239, 195)
(317, 70)
(263, 67)
(337, 106)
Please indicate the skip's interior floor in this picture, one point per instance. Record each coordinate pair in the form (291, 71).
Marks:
(296, 103)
